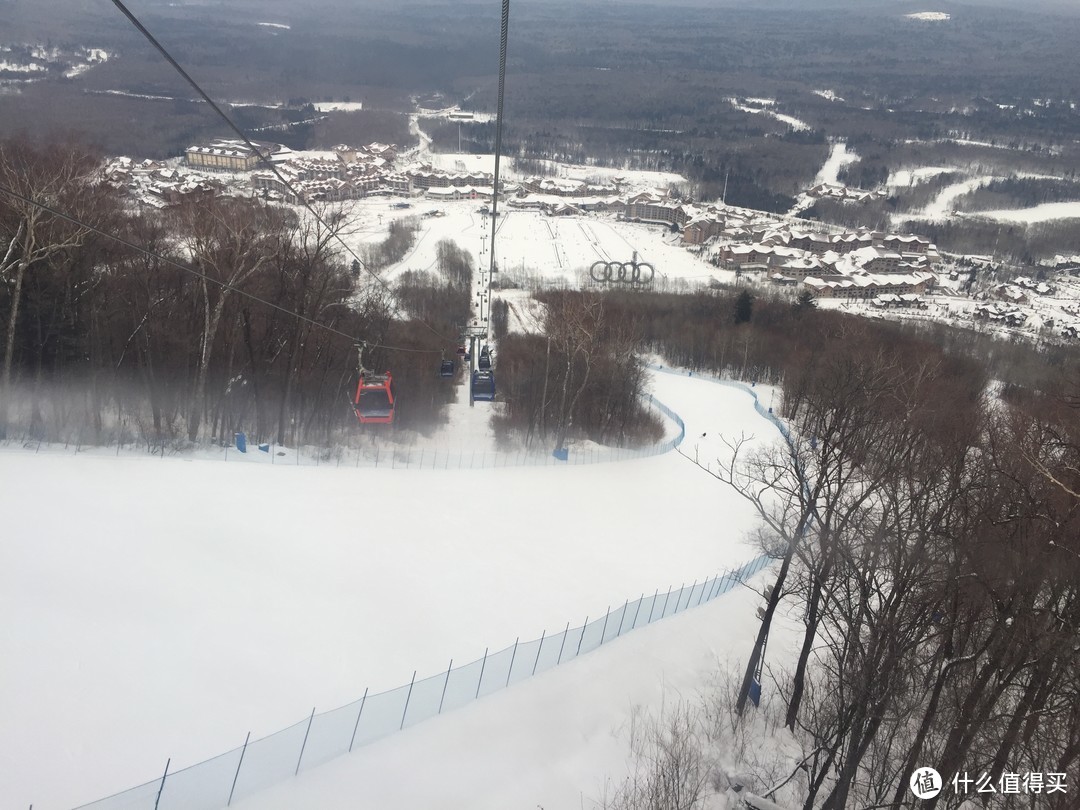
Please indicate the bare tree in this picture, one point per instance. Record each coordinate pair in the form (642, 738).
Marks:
(229, 242)
(60, 177)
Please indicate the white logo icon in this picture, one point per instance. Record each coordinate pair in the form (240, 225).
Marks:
(925, 783)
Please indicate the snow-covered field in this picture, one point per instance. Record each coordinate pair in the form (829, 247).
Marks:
(1046, 212)
(530, 245)
(763, 108)
(942, 205)
(910, 177)
(171, 606)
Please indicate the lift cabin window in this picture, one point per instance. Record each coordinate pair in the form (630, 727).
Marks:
(375, 402)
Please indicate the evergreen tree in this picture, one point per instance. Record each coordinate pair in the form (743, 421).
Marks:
(744, 307)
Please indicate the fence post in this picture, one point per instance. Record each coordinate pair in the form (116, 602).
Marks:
(421, 458)
(363, 700)
(563, 644)
(689, 596)
(581, 638)
(622, 618)
(702, 594)
(237, 774)
(408, 697)
(656, 595)
(481, 680)
(538, 649)
(603, 632)
(667, 599)
(304, 744)
(445, 683)
(513, 656)
(636, 612)
(164, 776)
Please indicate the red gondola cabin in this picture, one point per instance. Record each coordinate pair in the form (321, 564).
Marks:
(374, 402)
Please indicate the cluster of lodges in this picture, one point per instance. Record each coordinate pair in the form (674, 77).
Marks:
(861, 264)
(352, 173)
(893, 301)
(436, 184)
(356, 173)
(845, 194)
(558, 187)
(1002, 313)
(156, 184)
(1037, 287)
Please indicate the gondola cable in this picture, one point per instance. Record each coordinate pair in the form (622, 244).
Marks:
(259, 153)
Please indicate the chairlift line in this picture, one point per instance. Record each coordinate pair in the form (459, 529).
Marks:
(374, 400)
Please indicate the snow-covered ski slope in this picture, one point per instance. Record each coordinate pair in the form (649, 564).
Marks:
(161, 608)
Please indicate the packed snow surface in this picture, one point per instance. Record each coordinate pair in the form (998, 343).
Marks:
(839, 156)
(796, 124)
(929, 16)
(1046, 212)
(339, 106)
(910, 177)
(166, 607)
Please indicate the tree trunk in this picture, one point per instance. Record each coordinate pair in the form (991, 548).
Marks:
(209, 333)
(812, 619)
(9, 348)
(766, 622)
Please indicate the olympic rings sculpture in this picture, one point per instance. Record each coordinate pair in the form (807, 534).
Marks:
(632, 272)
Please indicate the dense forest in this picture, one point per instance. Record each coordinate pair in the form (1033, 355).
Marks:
(188, 324)
(926, 532)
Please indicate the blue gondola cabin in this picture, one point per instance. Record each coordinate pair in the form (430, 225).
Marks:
(483, 386)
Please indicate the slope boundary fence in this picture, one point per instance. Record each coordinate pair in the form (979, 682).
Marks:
(320, 737)
(763, 410)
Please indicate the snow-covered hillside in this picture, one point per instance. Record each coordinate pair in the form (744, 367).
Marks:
(170, 607)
